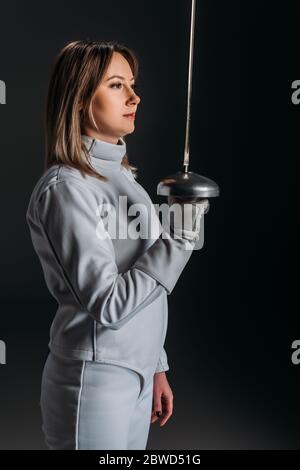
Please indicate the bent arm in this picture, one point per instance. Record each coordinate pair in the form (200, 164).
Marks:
(67, 214)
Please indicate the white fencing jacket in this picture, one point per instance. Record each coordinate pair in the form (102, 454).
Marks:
(111, 292)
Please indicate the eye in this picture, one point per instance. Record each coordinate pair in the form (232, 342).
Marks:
(134, 86)
(115, 84)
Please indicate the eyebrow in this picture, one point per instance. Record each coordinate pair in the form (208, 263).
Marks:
(117, 76)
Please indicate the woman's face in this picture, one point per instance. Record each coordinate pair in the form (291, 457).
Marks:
(114, 98)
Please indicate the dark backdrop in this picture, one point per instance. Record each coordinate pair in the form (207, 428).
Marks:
(235, 311)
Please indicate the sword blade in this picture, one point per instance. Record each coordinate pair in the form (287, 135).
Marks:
(186, 159)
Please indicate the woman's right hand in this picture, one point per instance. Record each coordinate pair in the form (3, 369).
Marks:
(190, 229)
(199, 201)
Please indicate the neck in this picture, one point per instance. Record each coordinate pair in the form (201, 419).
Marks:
(111, 139)
(105, 155)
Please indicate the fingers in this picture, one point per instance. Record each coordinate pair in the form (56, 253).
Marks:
(167, 404)
(187, 199)
(203, 204)
(154, 417)
(156, 407)
(164, 406)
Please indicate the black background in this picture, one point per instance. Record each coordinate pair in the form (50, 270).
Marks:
(234, 312)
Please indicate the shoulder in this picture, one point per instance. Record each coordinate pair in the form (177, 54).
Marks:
(61, 176)
(67, 185)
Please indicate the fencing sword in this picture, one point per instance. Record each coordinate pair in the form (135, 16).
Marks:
(186, 183)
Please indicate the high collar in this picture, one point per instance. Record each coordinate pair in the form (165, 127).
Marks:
(105, 155)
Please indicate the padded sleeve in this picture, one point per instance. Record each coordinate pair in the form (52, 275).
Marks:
(67, 214)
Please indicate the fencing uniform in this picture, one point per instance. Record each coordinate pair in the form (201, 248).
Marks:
(107, 336)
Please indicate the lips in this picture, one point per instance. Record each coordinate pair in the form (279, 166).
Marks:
(130, 116)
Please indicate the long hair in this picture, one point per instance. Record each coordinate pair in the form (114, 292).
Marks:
(78, 70)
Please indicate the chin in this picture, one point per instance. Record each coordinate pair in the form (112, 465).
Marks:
(128, 131)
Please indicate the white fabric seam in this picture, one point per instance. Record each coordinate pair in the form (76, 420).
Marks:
(78, 405)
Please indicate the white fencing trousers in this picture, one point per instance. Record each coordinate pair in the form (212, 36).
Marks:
(93, 405)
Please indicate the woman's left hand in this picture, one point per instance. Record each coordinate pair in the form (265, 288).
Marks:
(162, 398)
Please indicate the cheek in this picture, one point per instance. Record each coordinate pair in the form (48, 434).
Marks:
(98, 105)
(106, 106)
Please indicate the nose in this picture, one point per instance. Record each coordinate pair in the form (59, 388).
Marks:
(134, 98)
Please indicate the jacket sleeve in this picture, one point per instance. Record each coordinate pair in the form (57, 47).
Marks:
(162, 362)
(67, 215)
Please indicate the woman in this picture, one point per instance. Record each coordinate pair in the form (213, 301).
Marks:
(104, 379)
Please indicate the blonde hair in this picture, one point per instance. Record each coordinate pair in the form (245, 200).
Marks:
(78, 70)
